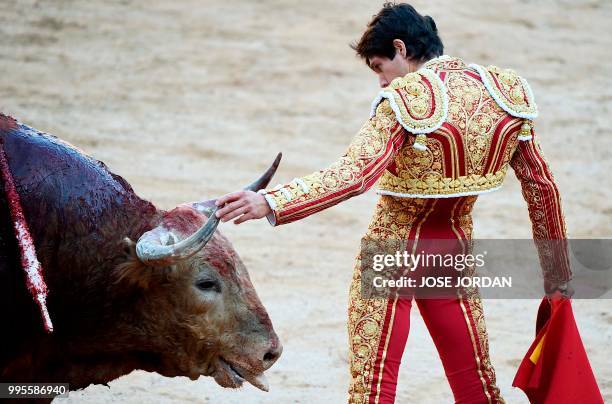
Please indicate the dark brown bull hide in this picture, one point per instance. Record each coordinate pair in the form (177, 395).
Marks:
(112, 313)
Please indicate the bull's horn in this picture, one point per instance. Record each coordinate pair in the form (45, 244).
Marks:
(262, 182)
(157, 248)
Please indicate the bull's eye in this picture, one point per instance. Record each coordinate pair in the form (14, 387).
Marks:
(208, 285)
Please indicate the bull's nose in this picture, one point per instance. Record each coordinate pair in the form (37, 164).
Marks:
(272, 355)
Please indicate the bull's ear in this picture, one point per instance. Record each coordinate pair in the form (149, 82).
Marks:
(129, 247)
(131, 270)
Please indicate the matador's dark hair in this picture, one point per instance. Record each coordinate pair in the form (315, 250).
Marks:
(400, 21)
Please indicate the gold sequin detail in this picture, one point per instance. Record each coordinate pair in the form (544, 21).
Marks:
(510, 89)
(434, 184)
(420, 98)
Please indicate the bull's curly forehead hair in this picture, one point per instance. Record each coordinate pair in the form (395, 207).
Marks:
(400, 21)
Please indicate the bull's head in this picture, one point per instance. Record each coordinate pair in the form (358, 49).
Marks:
(202, 314)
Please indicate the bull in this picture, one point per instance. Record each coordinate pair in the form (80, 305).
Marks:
(178, 301)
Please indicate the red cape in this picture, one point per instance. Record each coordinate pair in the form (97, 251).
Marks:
(556, 368)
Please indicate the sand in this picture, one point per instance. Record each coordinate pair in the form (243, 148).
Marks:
(189, 100)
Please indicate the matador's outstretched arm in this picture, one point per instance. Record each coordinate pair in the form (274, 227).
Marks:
(372, 149)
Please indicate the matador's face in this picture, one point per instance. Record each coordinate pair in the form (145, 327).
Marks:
(388, 69)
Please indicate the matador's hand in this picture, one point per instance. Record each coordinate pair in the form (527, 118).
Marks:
(565, 289)
(246, 204)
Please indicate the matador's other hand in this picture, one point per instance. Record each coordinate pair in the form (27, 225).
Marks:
(564, 289)
(245, 205)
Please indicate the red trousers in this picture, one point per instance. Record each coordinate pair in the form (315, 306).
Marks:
(379, 326)
(453, 327)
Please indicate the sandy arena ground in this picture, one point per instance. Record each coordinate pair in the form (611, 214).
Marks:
(191, 99)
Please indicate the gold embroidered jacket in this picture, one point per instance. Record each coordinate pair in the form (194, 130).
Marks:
(448, 130)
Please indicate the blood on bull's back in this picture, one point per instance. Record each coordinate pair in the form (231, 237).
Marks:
(77, 212)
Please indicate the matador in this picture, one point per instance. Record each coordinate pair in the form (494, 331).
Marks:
(441, 132)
